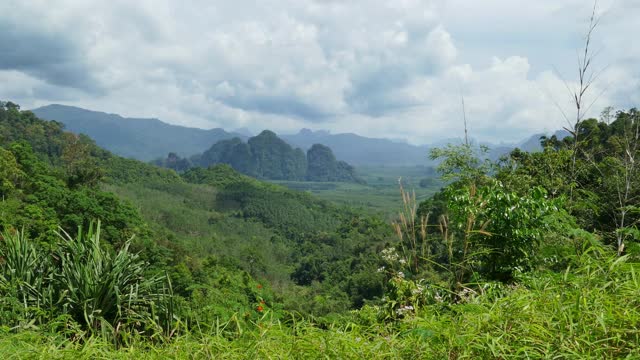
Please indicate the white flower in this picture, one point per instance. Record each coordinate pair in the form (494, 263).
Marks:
(404, 309)
(389, 255)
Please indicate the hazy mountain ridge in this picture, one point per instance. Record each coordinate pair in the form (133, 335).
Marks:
(142, 139)
(360, 150)
(148, 139)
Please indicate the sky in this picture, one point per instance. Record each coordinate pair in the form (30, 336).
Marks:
(396, 69)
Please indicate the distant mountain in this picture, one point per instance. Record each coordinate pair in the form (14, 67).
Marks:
(266, 156)
(244, 131)
(142, 139)
(533, 143)
(151, 139)
(359, 150)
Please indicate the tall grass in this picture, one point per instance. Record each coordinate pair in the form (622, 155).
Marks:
(589, 310)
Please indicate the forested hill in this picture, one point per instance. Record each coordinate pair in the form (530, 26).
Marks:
(141, 139)
(51, 178)
(213, 231)
(266, 156)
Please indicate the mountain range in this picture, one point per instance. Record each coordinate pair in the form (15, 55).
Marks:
(141, 139)
(149, 139)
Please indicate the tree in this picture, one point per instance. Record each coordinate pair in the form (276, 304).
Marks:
(620, 174)
(10, 173)
(487, 226)
(80, 167)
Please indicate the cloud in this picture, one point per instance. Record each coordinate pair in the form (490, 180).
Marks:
(43, 54)
(395, 69)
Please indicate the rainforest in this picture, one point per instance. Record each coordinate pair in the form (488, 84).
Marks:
(483, 235)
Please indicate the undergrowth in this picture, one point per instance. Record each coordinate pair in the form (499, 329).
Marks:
(592, 310)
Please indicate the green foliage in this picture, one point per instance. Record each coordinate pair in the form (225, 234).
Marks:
(10, 174)
(488, 228)
(45, 137)
(217, 176)
(100, 289)
(295, 215)
(602, 185)
(502, 226)
(462, 162)
(41, 200)
(50, 178)
(80, 164)
(103, 292)
(122, 171)
(590, 311)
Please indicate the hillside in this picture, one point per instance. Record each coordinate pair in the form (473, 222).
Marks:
(141, 139)
(214, 215)
(497, 262)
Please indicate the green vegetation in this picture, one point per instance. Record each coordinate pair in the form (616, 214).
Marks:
(533, 256)
(379, 195)
(589, 312)
(272, 233)
(82, 285)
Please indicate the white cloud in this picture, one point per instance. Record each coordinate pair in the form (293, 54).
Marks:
(393, 69)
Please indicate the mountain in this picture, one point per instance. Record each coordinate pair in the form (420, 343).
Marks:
(266, 156)
(359, 150)
(150, 139)
(142, 139)
(532, 144)
(323, 166)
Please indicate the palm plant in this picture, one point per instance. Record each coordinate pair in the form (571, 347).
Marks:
(24, 280)
(104, 291)
(107, 291)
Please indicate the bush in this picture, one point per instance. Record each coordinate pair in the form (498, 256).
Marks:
(103, 291)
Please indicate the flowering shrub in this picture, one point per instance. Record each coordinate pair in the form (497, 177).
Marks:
(405, 297)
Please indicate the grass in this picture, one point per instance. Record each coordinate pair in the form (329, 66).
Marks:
(591, 311)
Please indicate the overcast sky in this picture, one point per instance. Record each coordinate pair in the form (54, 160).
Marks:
(392, 69)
